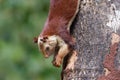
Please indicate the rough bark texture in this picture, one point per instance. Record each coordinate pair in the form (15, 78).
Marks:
(95, 29)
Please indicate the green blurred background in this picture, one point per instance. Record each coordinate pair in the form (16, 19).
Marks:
(20, 59)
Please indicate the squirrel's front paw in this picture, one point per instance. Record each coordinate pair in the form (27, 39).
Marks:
(57, 62)
(71, 62)
(69, 68)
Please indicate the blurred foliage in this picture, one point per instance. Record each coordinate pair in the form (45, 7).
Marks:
(20, 59)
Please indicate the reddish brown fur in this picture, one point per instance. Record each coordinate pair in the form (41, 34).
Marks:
(56, 30)
(60, 14)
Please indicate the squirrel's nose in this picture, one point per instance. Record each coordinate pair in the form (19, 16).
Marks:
(47, 48)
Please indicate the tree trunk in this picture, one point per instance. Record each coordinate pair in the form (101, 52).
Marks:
(97, 30)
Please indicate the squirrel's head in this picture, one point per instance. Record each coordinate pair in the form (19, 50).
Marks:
(47, 45)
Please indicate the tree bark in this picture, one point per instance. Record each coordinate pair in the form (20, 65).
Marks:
(97, 29)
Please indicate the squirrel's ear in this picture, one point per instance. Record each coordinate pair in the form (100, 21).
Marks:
(35, 39)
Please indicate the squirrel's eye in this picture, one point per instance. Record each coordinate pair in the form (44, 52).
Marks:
(45, 38)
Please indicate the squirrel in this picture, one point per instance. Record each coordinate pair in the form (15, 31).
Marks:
(55, 37)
